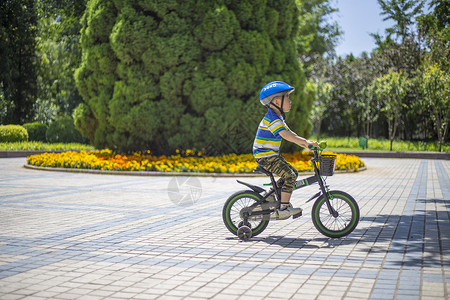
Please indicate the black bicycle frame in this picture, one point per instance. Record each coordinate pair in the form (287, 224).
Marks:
(301, 184)
(323, 188)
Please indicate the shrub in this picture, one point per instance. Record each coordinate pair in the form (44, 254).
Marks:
(13, 133)
(36, 131)
(63, 131)
(177, 74)
(84, 120)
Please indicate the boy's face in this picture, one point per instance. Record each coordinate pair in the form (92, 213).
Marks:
(286, 105)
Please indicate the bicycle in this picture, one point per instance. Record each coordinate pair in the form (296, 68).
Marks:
(334, 214)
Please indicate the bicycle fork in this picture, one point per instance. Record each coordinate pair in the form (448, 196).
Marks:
(324, 191)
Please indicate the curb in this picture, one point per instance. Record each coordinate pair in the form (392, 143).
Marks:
(393, 154)
(140, 173)
(26, 153)
(149, 173)
(370, 154)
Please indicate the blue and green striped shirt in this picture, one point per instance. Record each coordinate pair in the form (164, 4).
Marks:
(268, 139)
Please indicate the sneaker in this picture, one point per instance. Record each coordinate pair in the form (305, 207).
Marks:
(287, 213)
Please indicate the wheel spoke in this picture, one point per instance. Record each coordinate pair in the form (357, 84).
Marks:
(236, 208)
(340, 222)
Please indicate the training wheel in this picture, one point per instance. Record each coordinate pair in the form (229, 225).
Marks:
(242, 224)
(244, 233)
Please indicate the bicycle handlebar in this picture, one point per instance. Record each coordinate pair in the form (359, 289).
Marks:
(321, 147)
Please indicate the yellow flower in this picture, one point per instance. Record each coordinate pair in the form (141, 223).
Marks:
(143, 161)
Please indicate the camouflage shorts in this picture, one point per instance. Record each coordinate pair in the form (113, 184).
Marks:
(279, 166)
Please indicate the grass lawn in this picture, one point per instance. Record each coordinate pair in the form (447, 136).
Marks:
(352, 144)
(334, 144)
(43, 146)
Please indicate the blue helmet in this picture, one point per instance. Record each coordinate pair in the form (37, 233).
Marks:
(274, 89)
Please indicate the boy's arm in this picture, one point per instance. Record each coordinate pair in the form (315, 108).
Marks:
(294, 138)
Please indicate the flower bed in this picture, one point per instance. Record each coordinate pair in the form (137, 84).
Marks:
(185, 161)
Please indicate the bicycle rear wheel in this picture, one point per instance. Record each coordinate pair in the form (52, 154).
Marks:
(341, 225)
(232, 208)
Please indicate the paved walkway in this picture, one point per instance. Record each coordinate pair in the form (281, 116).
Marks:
(89, 236)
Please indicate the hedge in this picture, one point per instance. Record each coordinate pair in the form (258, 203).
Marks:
(36, 131)
(13, 133)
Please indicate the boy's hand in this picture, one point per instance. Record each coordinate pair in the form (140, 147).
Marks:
(312, 143)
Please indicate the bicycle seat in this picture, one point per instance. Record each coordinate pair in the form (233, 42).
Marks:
(260, 169)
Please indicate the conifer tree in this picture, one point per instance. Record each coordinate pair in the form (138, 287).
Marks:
(171, 74)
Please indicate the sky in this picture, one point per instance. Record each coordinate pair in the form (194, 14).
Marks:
(358, 18)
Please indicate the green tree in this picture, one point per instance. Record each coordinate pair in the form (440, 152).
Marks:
(351, 111)
(317, 35)
(323, 97)
(436, 33)
(406, 57)
(348, 76)
(57, 48)
(339, 117)
(437, 19)
(169, 74)
(402, 12)
(391, 90)
(435, 87)
(369, 108)
(17, 63)
(406, 54)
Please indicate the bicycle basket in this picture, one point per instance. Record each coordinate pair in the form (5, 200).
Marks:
(327, 164)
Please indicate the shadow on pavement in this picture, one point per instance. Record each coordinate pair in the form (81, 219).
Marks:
(422, 239)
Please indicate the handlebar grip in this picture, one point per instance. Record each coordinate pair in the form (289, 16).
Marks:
(322, 145)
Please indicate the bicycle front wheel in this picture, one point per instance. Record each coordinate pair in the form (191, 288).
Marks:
(234, 205)
(343, 223)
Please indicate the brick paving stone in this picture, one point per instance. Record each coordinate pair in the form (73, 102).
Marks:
(12, 297)
(91, 236)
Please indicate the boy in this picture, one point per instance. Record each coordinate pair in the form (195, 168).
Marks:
(266, 147)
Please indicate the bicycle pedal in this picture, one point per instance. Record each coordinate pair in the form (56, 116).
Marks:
(297, 215)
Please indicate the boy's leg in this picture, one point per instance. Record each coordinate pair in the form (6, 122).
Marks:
(287, 173)
(279, 166)
(285, 198)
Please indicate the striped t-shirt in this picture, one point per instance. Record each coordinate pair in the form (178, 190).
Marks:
(268, 139)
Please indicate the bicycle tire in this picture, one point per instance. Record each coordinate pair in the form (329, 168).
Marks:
(342, 225)
(232, 207)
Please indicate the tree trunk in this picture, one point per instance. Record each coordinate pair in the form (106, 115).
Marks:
(391, 130)
(438, 125)
(318, 125)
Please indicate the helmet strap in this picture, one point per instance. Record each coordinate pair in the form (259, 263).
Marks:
(280, 108)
